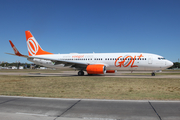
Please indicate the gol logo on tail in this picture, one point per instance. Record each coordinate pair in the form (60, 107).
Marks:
(126, 63)
(32, 46)
(15, 50)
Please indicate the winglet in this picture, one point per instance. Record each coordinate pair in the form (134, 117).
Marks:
(33, 46)
(15, 49)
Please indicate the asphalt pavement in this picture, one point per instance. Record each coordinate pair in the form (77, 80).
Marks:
(29, 108)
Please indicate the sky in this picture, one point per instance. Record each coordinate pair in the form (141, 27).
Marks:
(86, 26)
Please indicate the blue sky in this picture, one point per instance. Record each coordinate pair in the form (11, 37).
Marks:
(86, 26)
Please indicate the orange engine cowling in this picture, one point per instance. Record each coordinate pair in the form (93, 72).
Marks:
(96, 69)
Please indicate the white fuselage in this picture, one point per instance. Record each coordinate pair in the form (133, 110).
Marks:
(112, 61)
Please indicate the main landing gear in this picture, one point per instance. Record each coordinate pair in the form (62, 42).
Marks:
(153, 74)
(81, 73)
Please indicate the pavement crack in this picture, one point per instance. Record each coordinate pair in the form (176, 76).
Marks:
(68, 109)
(154, 110)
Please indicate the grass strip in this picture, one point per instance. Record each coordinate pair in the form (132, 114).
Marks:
(91, 87)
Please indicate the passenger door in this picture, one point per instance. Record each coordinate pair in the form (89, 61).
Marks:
(150, 60)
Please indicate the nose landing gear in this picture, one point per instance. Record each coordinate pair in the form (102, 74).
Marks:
(153, 74)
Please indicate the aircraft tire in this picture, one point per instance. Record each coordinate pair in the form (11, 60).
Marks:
(152, 74)
(80, 73)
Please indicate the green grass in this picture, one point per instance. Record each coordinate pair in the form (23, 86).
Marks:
(91, 87)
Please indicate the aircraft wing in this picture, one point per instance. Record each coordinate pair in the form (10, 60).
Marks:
(18, 55)
(72, 64)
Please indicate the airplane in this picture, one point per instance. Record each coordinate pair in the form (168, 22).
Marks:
(93, 63)
(98, 63)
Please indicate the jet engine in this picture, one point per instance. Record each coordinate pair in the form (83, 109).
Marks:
(96, 69)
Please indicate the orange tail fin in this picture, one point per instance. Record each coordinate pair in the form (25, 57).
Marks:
(33, 46)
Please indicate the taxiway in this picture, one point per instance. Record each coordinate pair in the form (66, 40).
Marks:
(25, 108)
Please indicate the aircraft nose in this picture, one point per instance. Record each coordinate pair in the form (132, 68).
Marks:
(169, 63)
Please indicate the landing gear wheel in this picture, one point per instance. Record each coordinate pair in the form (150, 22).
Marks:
(80, 73)
(152, 74)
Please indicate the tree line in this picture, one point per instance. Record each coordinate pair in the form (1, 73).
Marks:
(175, 66)
(25, 65)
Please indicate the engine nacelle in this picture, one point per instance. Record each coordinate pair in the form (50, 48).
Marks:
(96, 69)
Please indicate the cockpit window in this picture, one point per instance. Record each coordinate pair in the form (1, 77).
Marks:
(161, 58)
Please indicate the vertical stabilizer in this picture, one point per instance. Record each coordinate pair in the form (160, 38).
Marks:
(33, 46)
